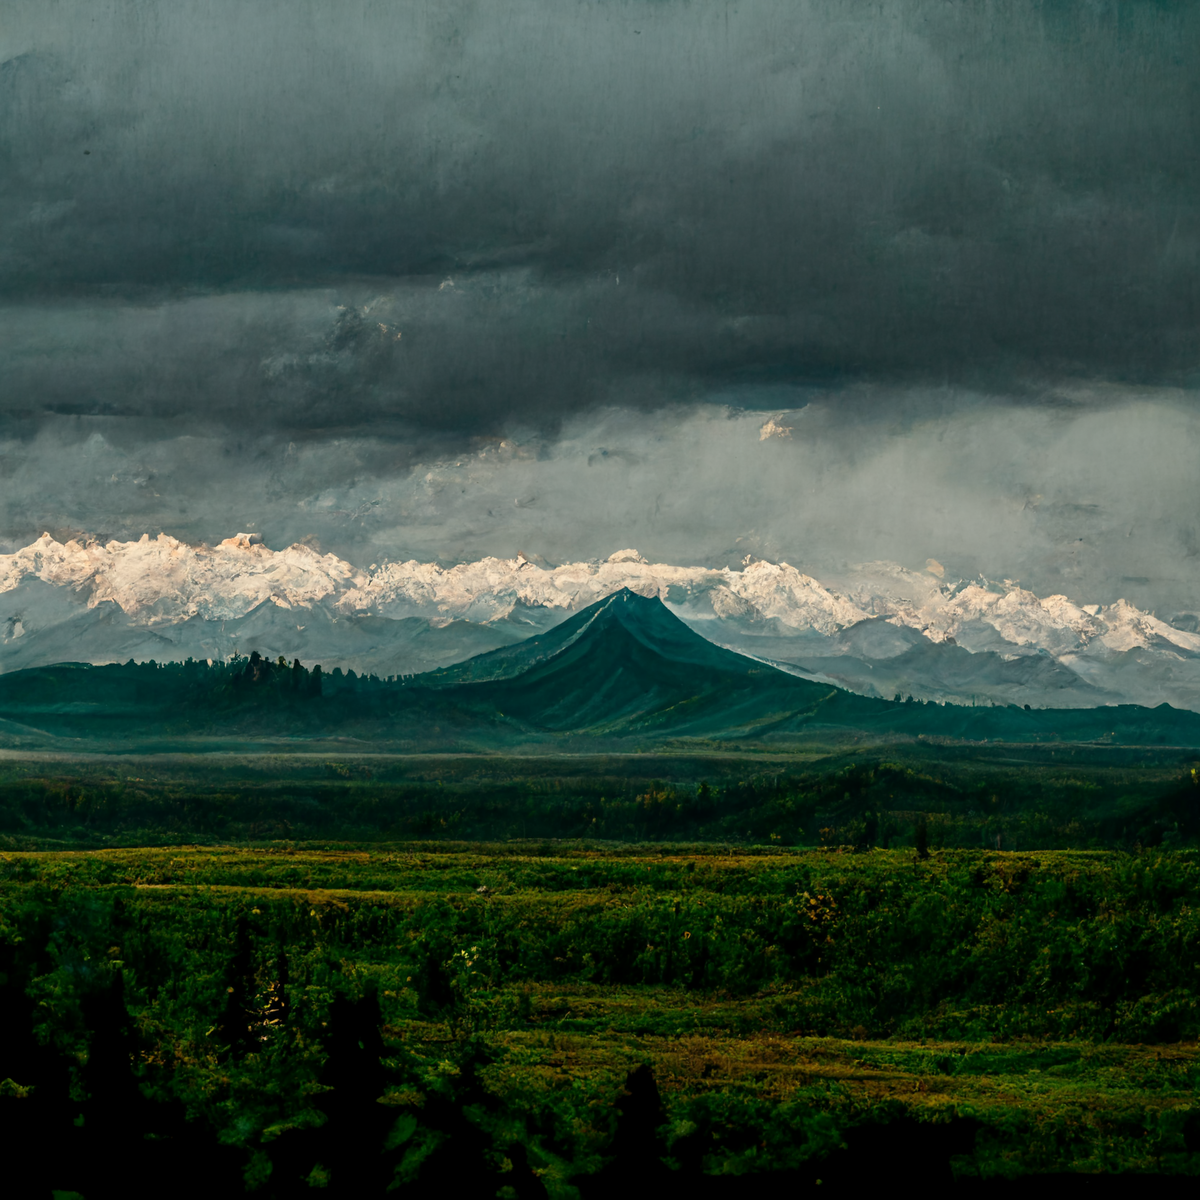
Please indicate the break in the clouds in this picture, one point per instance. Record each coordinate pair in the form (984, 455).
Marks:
(1093, 497)
(448, 279)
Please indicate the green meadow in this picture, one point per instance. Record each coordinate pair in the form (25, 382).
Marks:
(1042, 1003)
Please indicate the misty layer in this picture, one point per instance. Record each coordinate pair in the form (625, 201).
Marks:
(1092, 498)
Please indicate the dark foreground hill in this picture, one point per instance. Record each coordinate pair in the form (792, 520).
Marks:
(624, 669)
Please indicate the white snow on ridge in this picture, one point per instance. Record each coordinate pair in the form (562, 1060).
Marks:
(159, 581)
(494, 588)
(162, 580)
(1054, 624)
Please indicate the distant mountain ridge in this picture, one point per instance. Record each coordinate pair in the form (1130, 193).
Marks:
(886, 630)
(623, 669)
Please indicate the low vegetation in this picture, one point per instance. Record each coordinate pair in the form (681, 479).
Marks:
(997, 797)
(542, 1017)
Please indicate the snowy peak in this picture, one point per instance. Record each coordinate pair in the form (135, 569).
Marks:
(493, 588)
(962, 611)
(163, 580)
(157, 580)
(769, 610)
(797, 600)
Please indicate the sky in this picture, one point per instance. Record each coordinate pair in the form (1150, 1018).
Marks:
(812, 281)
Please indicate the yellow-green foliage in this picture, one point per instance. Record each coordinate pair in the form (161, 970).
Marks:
(780, 996)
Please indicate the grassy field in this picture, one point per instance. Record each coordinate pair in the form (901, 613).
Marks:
(1042, 1004)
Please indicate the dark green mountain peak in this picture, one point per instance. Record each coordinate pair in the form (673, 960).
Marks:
(623, 619)
(622, 663)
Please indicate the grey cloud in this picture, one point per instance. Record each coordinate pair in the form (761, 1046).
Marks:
(446, 279)
(1096, 503)
(425, 355)
(786, 191)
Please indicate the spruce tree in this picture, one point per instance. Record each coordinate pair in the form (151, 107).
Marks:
(922, 839)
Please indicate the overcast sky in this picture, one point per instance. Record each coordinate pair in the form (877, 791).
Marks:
(441, 279)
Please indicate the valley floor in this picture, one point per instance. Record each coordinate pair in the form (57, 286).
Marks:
(993, 1014)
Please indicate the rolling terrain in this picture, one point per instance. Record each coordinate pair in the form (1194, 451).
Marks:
(622, 670)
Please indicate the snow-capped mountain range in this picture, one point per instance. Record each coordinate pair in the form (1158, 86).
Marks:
(882, 630)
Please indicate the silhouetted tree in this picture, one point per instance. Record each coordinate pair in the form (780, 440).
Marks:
(637, 1148)
(870, 830)
(873, 1149)
(349, 1147)
(464, 1162)
(435, 992)
(131, 1145)
(522, 1178)
(38, 1137)
(114, 1099)
(235, 1031)
(356, 1124)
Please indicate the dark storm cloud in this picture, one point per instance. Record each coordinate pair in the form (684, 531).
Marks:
(471, 354)
(221, 214)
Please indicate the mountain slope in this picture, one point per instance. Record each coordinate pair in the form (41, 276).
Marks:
(623, 668)
(647, 622)
(626, 662)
